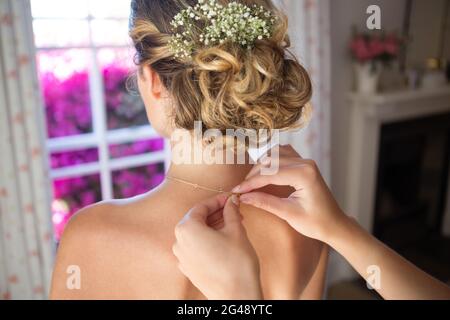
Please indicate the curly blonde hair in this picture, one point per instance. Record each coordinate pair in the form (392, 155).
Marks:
(224, 86)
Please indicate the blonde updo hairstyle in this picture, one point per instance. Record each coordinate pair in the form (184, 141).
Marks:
(225, 86)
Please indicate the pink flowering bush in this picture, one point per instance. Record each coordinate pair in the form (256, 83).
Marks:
(375, 47)
(131, 182)
(137, 147)
(67, 104)
(124, 107)
(68, 112)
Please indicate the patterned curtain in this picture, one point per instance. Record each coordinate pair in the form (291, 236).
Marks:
(25, 228)
(309, 31)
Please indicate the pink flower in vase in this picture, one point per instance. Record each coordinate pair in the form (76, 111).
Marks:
(360, 49)
(392, 45)
(376, 47)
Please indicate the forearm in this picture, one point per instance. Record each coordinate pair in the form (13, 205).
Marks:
(400, 279)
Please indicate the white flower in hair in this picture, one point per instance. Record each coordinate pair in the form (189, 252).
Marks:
(236, 23)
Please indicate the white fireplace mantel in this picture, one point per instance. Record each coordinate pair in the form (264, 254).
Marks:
(367, 114)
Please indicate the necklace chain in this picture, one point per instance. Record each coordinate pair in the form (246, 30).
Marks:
(196, 185)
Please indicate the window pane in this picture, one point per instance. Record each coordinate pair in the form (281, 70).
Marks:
(65, 84)
(110, 32)
(59, 8)
(122, 57)
(60, 33)
(70, 195)
(124, 106)
(72, 158)
(131, 182)
(136, 148)
(110, 8)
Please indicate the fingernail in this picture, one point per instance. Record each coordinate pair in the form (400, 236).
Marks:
(236, 189)
(235, 199)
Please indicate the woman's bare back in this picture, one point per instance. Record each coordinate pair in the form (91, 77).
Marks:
(123, 249)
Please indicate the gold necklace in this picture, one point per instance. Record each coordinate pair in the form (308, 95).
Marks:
(197, 186)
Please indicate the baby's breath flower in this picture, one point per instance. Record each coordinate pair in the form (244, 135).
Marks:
(235, 22)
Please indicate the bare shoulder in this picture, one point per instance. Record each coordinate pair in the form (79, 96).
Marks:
(101, 219)
(96, 243)
(97, 223)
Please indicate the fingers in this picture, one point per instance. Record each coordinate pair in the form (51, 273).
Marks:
(231, 214)
(285, 155)
(207, 207)
(278, 206)
(178, 253)
(285, 151)
(286, 176)
(195, 221)
(269, 161)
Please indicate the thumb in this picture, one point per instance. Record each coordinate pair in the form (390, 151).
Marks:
(204, 209)
(231, 215)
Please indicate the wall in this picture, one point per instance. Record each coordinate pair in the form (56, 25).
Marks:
(447, 33)
(344, 15)
(427, 19)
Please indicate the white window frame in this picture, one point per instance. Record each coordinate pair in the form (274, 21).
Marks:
(102, 138)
